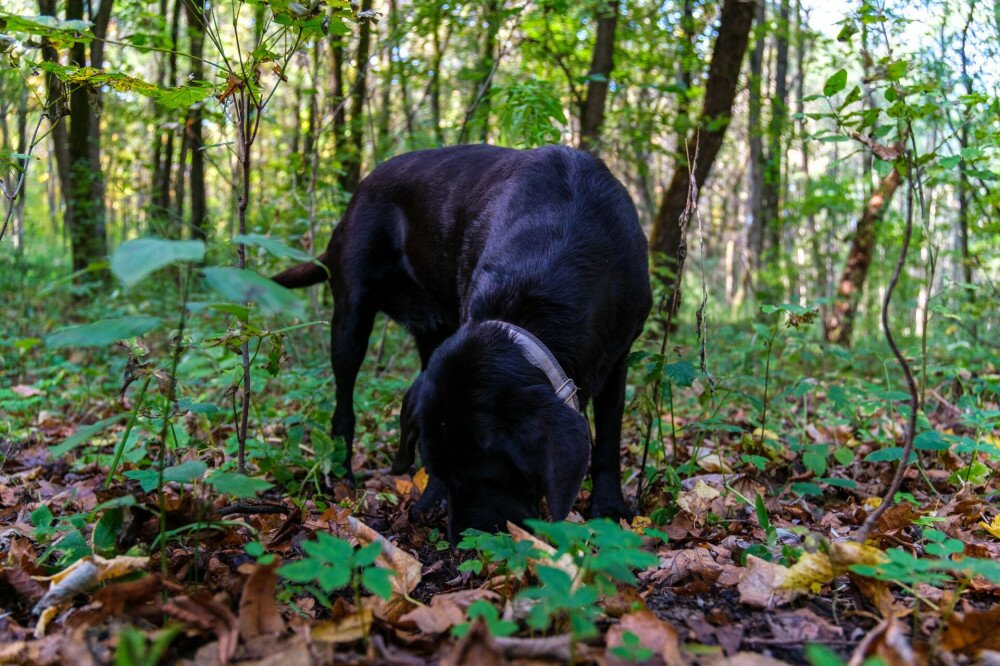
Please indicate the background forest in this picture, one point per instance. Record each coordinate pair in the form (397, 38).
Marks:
(818, 181)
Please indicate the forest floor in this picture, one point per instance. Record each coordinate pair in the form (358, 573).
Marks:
(750, 538)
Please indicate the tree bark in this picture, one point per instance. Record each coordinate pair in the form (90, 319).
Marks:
(769, 287)
(602, 61)
(839, 323)
(755, 235)
(359, 92)
(479, 103)
(667, 239)
(963, 170)
(337, 102)
(193, 125)
(84, 218)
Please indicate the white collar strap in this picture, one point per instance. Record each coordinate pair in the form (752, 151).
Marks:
(539, 356)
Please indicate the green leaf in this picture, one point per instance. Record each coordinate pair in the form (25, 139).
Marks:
(835, 83)
(895, 70)
(240, 286)
(238, 485)
(83, 434)
(950, 162)
(42, 516)
(135, 259)
(148, 478)
(930, 440)
(681, 373)
(102, 333)
(273, 246)
(181, 97)
(302, 571)
(887, 454)
(187, 471)
(378, 581)
(105, 536)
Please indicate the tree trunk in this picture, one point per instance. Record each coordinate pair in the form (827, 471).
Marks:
(56, 108)
(720, 90)
(359, 92)
(592, 113)
(839, 323)
(337, 100)
(478, 120)
(963, 170)
(769, 287)
(685, 56)
(193, 125)
(84, 217)
(755, 234)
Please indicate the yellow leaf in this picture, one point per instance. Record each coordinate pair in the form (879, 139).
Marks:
(992, 527)
(873, 502)
(640, 523)
(420, 479)
(811, 569)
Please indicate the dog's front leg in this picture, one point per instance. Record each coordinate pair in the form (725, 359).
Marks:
(349, 332)
(605, 468)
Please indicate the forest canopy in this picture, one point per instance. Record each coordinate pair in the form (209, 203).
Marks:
(811, 434)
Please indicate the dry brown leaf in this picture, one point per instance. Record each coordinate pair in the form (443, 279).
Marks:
(445, 610)
(26, 391)
(763, 584)
(477, 648)
(405, 567)
(348, 629)
(697, 501)
(748, 659)
(565, 563)
(206, 614)
(652, 632)
(802, 625)
(44, 652)
(258, 614)
(887, 642)
(973, 631)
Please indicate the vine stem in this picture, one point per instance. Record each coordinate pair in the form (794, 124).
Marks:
(911, 384)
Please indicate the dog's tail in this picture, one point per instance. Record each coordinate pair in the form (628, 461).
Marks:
(305, 274)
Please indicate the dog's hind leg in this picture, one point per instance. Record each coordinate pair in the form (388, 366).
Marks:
(605, 468)
(352, 324)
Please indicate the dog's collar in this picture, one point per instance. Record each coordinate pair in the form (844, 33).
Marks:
(540, 357)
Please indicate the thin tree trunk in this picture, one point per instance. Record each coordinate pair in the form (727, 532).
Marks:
(438, 56)
(193, 125)
(771, 195)
(56, 108)
(479, 102)
(337, 103)
(963, 170)
(359, 92)
(85, 197)
(667, 238)
(592, 113)
(840, 322)
(685, 56)
(755, 128)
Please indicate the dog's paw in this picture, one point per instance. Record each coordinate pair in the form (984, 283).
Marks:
(432, 503)
(609, 505)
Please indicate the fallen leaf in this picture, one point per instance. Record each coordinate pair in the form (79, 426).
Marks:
(206, 614)
(564, 563)
(802, 625)
(763, 585)
(973, 631)
(713, 462)
(26, 391)
(348, 629)
(697, 501)
(405, 567)
(820, 567)
(887, 642)
(477, 648)
(258, 614)
(653, 633)
(993, 527)
(445, 610)
(748, 659)
(420, 479)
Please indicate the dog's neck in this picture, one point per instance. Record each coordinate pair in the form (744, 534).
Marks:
(539, 356)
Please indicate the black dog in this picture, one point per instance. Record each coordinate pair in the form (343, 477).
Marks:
(477, 250)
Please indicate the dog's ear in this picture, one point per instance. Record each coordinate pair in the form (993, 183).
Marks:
(551, 446)
(408, 433)
(566, 458)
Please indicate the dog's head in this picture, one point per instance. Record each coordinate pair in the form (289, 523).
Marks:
(491, 428)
